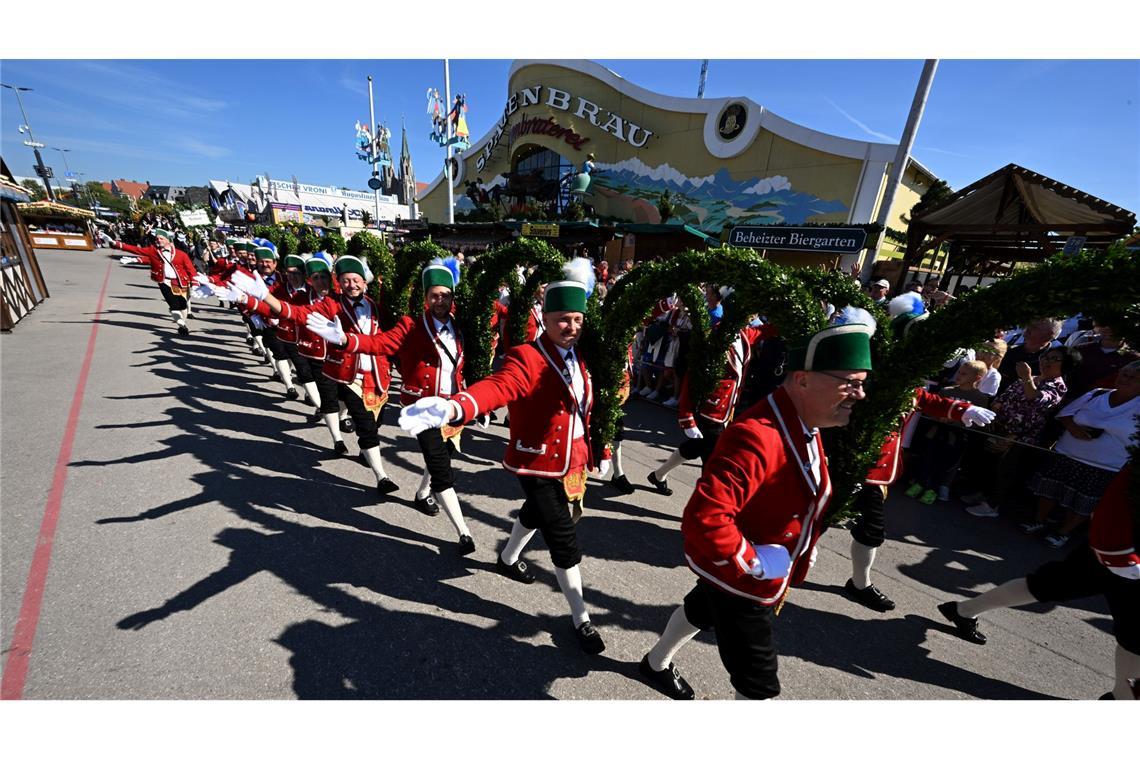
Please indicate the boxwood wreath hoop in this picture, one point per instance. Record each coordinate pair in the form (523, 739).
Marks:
(405, 291)
(790, 298)
(374, 252)
(479, 289)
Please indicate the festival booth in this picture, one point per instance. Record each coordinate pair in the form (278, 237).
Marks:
(23, 286)
(1007, 218)
(58, 226)
(577, 140)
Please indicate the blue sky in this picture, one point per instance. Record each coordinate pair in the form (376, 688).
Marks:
(187, 121)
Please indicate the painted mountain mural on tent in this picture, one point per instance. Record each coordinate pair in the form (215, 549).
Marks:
(714, 201)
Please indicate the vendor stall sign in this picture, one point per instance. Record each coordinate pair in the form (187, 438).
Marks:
(812, 239)
(197, 218)
(539, 230)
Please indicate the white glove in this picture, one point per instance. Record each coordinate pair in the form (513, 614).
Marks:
(1130, 572)
(977, 415)
(329, 329)
(430, 412)
(202, 292)
(772, 562)
(254, 286)
(604, 468)
(229, 293)
(125, 260)
(202, 279)
(694, 433)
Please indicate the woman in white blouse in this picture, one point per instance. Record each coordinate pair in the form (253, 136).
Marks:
(1099, 427)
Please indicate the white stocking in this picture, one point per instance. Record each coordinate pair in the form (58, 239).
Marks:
(333, 425)
(862, 557)
(678, 632)
(313, 393)
(616, 462)
(1009, 594)
(516, 543)
(570, 581)
(425, 486)
(283, 372)
(674, 461)
(450, 501)
(372, 456)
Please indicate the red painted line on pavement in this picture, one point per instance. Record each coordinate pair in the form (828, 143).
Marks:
(20, 651)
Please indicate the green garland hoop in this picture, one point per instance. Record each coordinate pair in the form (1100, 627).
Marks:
(476, 300)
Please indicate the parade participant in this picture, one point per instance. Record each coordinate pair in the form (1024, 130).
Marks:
(171, 268)
(430, 351)
(312, 351)
(1108, 564)
(265, 264)
(362, 378)
(619, 480)
(550, 396)
(293, 289)
(752, 523)
(869, 531)
(702, 427)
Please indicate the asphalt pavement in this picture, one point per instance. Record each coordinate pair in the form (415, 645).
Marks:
(209, 546)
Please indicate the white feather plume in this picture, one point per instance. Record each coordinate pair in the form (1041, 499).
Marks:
(853, 315)
(580, 270)
(906, 303)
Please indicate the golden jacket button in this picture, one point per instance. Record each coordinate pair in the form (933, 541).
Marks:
(788, 535)
(556, 441)
(795, 517)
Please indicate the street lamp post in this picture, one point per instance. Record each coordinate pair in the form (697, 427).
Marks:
(67, 169)
(31, 141)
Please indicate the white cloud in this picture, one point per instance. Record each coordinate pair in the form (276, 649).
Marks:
(867, 130)
(193, 145)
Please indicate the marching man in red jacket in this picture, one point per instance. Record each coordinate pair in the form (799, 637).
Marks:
(702, 426)
(1108, 564)
(171, 268)
(362, 379)
(869, 531)
(751, 525)
(430, 349)
(549, 395)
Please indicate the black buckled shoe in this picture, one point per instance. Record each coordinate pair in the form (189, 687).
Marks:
(589, 639)
(466, 545)
(340, 448)
(668, 681)
(967, 626)
(347, 426)
(183, 330)
(516, 572)
(385, 487)
(869, 597)
(661, 485)
(428, 506)
(621, 483)
(292, 394)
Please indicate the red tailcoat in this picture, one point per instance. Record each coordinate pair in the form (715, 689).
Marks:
(285, 329)
(183, 267)
(541, 407)
(1110, 531)
(757, 488)
(887, 467)
(339, 365)
(718, 406)
(419, 349)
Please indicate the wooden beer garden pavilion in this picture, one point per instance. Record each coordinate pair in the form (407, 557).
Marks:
(1010, 217)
